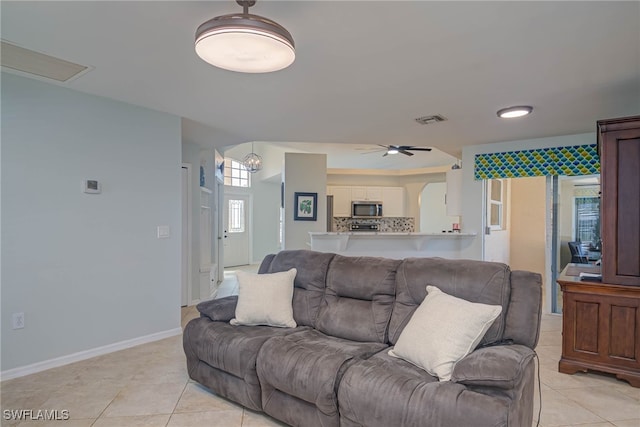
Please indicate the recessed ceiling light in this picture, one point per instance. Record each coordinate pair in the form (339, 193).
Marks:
(513, 112)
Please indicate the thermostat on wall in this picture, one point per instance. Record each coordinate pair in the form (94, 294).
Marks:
(91, 186)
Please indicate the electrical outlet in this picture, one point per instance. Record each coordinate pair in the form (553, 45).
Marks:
(17, 320)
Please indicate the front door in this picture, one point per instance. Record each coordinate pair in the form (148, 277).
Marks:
(236, 230)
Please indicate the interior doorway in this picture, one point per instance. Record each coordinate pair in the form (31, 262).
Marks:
(576, 226)
(236, 229)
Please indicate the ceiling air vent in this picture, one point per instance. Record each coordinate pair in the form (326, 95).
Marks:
(427, 120)
(38, 64)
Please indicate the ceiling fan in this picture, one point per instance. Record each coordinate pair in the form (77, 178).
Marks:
(404, 149)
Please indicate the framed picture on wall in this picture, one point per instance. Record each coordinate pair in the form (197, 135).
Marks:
(305, 206)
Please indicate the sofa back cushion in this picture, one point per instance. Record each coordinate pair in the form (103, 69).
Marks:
(359, 298)
(475, 281)
(309, 284)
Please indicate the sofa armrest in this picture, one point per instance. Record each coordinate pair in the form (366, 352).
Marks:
(219, 310)
(500, 366)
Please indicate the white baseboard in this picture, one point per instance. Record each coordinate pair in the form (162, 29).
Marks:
(87, 354)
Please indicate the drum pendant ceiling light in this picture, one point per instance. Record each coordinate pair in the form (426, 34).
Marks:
(245, 43)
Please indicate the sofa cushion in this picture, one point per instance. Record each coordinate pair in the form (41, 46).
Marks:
(265, 299)
(384, 391)
(308, 365)
(309, 282)
(475, 281)
(359, 298)
(442, 331)
(232, 349)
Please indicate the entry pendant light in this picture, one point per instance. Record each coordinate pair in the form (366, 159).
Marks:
(252, 162)
(245, 43)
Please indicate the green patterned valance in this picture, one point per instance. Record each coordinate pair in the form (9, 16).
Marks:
(573, 160)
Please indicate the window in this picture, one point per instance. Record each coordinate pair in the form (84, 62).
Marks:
(587, 221)
(236, 216)
(235, 174)
(495, 204)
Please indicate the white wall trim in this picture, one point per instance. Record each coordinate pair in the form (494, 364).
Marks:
(86, 354)
(189, 236)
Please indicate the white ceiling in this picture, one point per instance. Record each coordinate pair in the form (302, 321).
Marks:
(364, 70)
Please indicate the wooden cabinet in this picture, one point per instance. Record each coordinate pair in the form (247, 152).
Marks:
(393, 201)
(341, 200)
(601, 320)
(619, 149)
(600, 327)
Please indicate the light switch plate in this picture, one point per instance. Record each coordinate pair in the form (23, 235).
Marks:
(164, 232)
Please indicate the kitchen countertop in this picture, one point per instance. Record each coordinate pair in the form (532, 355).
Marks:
(381, 233)
(392, 244)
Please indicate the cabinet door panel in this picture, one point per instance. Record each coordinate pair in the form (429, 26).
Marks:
(393, 202)
(587, 313)
(341, 201)
(623, 318)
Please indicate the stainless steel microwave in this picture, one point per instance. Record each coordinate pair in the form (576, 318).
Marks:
(366, 209)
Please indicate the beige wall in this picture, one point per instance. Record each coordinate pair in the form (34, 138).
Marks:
(528, 229)
(305, 173)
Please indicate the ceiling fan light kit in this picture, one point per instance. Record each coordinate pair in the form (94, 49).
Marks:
(245, 43)
(513, 112)
(404, 149)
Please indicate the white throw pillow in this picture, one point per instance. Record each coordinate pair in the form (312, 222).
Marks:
(265, 299)
(442, 331)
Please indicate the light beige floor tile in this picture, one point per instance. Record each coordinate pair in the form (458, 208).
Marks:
(196, 398)
(16, 400)
(256, 419)
(165, 372)
(551, 323)
(606, 402)
(139, 421)
(592, 425)
(550, 339)
(145, 399)
(558, 410)
(559, 381)
(627, 423)
(86, 401)
(67, 423)
(210, 419)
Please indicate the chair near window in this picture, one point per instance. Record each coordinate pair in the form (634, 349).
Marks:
(577, 254)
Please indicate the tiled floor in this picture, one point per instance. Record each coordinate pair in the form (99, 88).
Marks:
(148, 386)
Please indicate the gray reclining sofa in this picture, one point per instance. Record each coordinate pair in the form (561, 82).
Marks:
(334, 369)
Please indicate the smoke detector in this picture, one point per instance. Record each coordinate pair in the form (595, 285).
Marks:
(427, 120)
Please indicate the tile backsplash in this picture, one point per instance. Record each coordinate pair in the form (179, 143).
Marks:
(386, 225)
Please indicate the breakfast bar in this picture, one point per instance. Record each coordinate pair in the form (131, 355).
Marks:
(392, 245)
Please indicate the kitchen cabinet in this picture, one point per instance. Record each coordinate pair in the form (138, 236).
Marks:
(341, 200)
(393, 201)
(392, 198)
(454, 192)
(366, 193)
